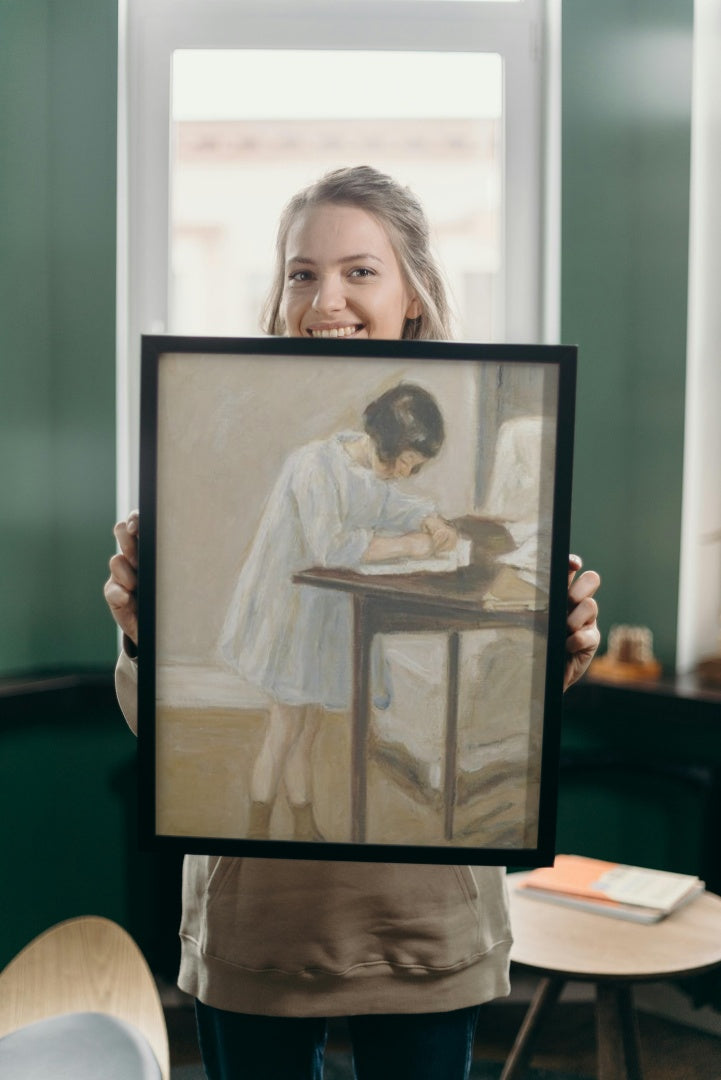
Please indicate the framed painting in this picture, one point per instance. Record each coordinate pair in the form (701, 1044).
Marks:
(352, 597)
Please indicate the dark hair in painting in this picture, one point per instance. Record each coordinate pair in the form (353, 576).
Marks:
(404, 418)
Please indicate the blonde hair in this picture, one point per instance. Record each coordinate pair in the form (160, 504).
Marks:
(403, 217)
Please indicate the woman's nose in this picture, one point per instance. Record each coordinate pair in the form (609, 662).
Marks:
(329, 296)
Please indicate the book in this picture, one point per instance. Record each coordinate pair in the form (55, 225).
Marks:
(615, 889)
(444, 563)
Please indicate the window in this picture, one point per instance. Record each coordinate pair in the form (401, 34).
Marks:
(236, 161)
(227, 107)
(699, 623)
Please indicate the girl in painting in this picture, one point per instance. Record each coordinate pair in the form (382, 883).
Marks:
(334, 504)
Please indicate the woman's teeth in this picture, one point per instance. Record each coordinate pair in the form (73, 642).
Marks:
(337, 331)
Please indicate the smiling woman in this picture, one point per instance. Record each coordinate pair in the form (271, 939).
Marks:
(353, 259)
(338, 295)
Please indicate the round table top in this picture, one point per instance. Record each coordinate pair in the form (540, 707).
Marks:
(559, 940)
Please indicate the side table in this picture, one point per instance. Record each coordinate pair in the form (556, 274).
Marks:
(563, 944)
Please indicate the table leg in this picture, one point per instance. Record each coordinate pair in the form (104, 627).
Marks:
(450, 776)
(617, 1033)
(362, 640)
(544, 999)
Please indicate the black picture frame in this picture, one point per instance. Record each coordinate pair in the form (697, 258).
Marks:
(445, 748)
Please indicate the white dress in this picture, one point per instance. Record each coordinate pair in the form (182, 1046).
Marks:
(294, 641)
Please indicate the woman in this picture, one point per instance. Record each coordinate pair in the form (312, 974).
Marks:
(272, 948)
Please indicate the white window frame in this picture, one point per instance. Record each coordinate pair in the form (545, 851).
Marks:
(526, 34)
(699, 597)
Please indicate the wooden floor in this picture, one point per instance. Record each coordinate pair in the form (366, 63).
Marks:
(567, 1043)
(669, 1051)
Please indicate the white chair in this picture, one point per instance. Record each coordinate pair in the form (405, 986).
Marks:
(80, 1002)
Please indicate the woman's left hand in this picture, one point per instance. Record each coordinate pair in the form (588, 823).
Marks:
(582, 633)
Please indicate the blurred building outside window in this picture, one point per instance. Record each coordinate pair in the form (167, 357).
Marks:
(235, 163)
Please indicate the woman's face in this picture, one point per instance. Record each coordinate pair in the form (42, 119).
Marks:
(342, 277)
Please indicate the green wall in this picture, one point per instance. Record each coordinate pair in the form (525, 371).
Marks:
(625, 167)
(66, 759)
(58, 72)
(68, 804)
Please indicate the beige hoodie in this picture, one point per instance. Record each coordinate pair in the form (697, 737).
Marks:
(285, 937)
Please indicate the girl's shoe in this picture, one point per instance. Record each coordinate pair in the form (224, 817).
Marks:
(305, 825)
(259, 821)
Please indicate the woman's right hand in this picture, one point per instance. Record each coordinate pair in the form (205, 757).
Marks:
(121, 587)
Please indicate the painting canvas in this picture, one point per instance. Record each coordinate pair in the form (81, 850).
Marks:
(352, 594)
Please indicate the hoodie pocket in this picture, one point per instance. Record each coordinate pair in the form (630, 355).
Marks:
(469, 886)
(295, 916)
(203, 876)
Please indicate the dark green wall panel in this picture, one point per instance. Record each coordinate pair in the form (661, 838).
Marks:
(26, 490)
(58, 77)
(68, 801)
(641, 777)
(82, 219)
(626, 145)
(60, 786)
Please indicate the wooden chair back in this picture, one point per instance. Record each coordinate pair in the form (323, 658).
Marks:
(87, 964)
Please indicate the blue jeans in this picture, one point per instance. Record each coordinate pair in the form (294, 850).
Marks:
(415, 1046)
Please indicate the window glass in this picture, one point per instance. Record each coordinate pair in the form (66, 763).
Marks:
(251, 127)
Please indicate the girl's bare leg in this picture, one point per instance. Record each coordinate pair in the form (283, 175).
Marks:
(297, 772)
(299, 781)
(285, 725)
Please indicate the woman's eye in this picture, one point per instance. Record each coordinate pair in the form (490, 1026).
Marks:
(300, 276)
(362, 272)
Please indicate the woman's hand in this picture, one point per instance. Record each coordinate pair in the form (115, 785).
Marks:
(441, 532)
(121, 587)
(582, 633)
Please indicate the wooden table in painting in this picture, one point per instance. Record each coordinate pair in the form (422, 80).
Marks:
(481, 595)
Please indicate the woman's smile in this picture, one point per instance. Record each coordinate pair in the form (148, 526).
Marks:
(335, 331)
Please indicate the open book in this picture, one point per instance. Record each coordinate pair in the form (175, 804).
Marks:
(444, 563)
(607, 888)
